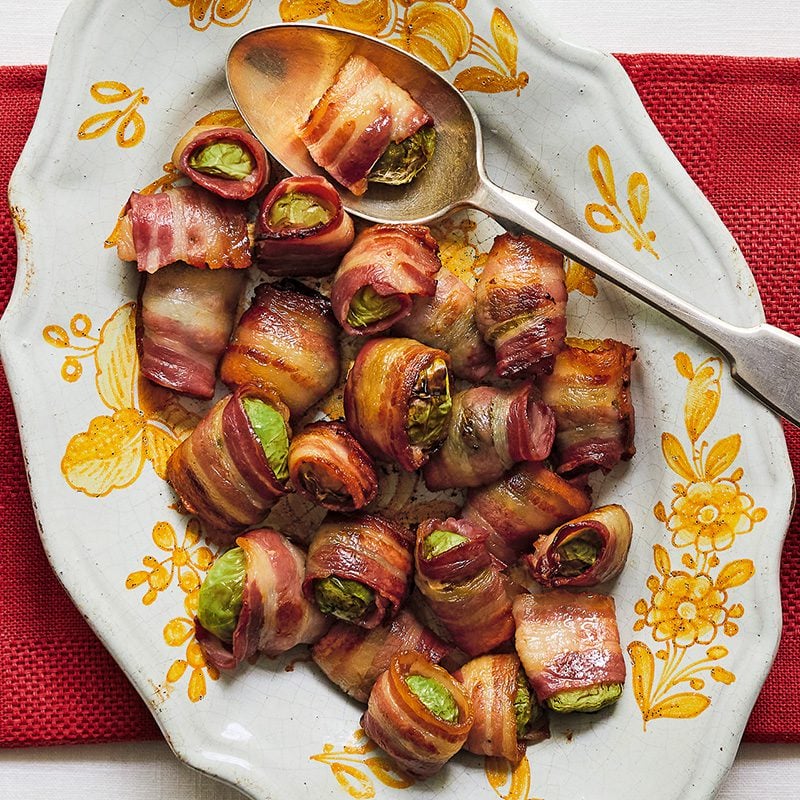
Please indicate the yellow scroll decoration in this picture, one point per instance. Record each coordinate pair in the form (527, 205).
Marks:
(205, 13)
(509, 781)
(130, 127)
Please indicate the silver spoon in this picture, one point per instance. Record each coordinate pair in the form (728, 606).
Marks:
(277, 73)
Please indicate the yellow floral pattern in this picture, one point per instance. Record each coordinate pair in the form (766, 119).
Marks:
(690, 609)
(128, 121)
(205, 13)
(509, 781)
(439, 32)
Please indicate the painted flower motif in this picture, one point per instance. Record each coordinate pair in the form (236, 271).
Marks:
(205, 13)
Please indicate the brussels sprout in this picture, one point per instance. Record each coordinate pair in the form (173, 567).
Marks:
(270, 428)
(323, 486)
(593, 698)
(299, 210)
(368, 307)
(523, 706)
(429, 410)
(220, 598)
(223, 160)
(438, 542)
(343, 598)
(402, 161)
(579, 553)
(434, 697)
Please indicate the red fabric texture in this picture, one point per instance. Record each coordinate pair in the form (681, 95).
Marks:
(734, 124)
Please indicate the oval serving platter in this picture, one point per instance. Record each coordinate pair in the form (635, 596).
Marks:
(709, 490)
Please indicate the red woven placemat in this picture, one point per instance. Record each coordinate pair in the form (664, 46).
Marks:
(735, 125)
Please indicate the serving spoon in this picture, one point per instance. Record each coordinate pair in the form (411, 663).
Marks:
(276, 75)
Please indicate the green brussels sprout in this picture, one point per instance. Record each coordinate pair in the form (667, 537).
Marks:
(434, 697)
(220, 598)
(270, 428)
(223, 160)
(523, 705)
(402, 161)
(438, 542)
(368, 307)
(298, 210)
(429, 410)
(593, 698)
(579, 553)
(343, 598)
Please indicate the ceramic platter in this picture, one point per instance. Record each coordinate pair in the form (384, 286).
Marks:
(709, 490)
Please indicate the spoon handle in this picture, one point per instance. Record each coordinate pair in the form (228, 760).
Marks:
(764, 359)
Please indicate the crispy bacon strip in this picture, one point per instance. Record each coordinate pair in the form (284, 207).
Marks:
(184, 223)
(589, 391)
(399, 262)
(354, 657)
(491, 684)
(490, 430)
(184, 322)
(609, 528)
(465, 588)
(356, 119)
(287, 339)
(275, 615)
(301, 251)
(568, 641)
(527, 502)
(329, 467)
(520, 303)
(201, 136)
(221, 473)
(396, 720)
(370, 550)
(447, 321)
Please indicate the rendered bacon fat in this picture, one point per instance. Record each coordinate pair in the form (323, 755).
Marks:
(462, 584)
(302, 228)
(387, 266)
(589, 391)
(507, 718)
(527, 502)
(584, 552)
(185, 320)
(419, 740)
(359, 568)
(521, 302)
(490, 430)
(569, 645)
(287, 339)
(274, 615)
(184, 223)
(353, 657)
(328, 466)
(221, 471)
(360, 115)
(397, 400)
(447, 321)
(230, 162)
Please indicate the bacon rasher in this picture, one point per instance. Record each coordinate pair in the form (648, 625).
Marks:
(463, 585)
(589, 391)
(490, 430)
(521, 301)
(328, 466)
(275, 616)
(221, 472)
(185, 320)
(353, 123)
(569, 643)
(188, 158)
(287, 339)
(354, 657)
(387, 266)
(418, 741)
(447, 321)
(584, 552)
(184, 223)
(302, 228)
(527, 502)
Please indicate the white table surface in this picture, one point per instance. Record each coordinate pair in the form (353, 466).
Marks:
(148, 771)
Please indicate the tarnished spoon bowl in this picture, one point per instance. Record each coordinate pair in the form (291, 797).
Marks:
(276, 75)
